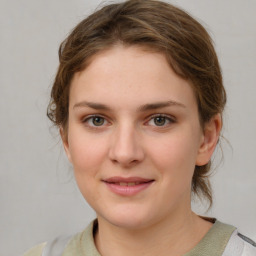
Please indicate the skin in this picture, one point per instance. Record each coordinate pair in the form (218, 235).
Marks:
(127, 88)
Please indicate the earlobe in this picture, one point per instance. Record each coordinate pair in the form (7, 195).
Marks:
(64, 139)
(209, 141)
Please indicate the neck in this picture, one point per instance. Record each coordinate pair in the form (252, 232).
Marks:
(167, 237)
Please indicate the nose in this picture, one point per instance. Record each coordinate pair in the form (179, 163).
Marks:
(126, 148)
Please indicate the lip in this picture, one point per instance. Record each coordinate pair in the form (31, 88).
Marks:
(129, 186)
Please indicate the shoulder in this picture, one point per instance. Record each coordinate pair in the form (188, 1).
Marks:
(224, 239)
(68, 245)
(36, 250)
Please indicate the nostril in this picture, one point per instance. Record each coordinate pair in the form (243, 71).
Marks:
(125, 148)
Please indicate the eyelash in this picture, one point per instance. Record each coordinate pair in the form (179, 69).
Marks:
(167, 118)
(90, 118)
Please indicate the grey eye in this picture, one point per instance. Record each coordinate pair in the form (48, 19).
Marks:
(159, 120)
(98, 121)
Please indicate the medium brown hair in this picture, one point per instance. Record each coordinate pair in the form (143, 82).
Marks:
(160, 27)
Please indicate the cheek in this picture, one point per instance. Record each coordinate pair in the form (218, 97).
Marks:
(88, 157)
(175, 156)
(87, 154)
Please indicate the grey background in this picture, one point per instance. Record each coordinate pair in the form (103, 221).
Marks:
(38, 196)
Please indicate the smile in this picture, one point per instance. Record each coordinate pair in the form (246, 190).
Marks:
(127, 186)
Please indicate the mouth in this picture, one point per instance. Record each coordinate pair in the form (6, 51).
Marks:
(127, 186)
(127, 183)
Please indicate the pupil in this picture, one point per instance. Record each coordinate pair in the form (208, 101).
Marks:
(159, 121)
(97, 121)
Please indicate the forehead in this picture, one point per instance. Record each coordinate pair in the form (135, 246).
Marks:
(134, 74)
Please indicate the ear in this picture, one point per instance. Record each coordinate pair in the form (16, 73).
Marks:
(65, 143)
(210, 139)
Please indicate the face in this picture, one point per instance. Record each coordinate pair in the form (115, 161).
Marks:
(133, 137)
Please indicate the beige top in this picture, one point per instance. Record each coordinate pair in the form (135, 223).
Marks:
(82, 244)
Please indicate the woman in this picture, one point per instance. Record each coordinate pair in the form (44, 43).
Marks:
(138, 98)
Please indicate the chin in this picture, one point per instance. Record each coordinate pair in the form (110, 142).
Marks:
(130, 223)
(128, 218)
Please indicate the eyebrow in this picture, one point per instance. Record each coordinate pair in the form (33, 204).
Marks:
(97, 106)
(143, 108)
(157, 105)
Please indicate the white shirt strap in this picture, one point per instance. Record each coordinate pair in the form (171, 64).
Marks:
(56, 246)
(239, 245)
